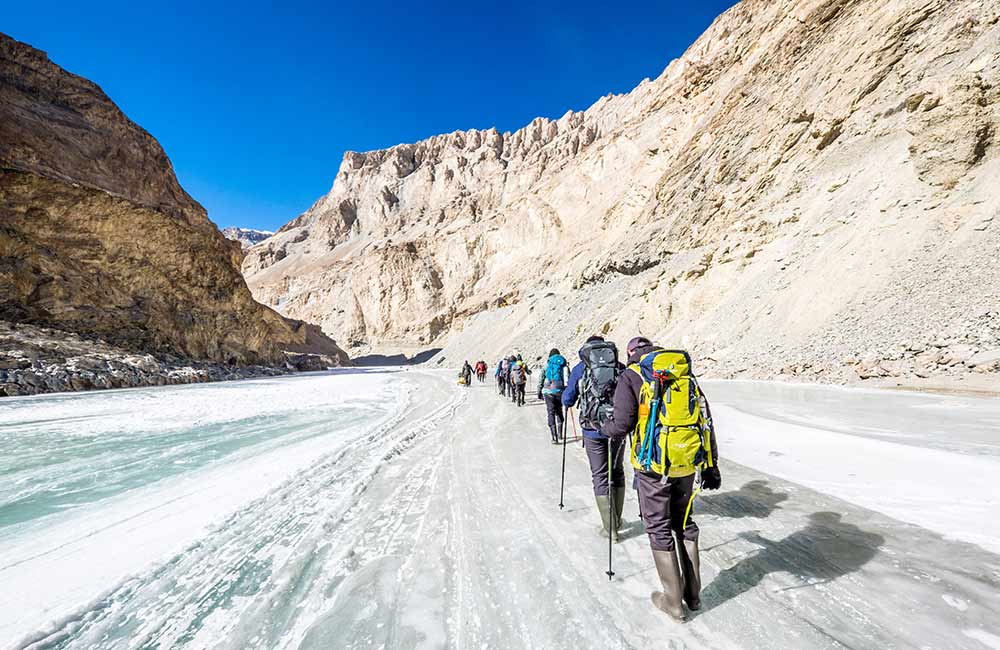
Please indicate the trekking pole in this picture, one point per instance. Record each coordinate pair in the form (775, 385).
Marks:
(611, 507)
(562, 478)
(571, 419)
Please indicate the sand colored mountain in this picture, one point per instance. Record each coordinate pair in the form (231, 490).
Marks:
(810, 190)
(97, 237)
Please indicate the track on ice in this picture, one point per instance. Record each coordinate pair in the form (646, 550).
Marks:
(432, 523)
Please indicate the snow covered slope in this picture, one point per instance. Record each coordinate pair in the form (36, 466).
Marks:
(247, 237)
(394, 509)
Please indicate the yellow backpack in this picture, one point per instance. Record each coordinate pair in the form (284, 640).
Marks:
(670, 436)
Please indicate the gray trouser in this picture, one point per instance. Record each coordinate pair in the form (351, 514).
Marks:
(663, 506)
(597, 454)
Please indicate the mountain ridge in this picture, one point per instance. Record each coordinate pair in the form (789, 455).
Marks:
(247, 237)
(801, 168)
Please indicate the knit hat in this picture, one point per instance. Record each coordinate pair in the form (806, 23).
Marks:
(636, 343)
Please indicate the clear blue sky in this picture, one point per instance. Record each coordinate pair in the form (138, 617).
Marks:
(256, 103)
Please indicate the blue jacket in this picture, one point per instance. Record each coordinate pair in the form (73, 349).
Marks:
(572, 393)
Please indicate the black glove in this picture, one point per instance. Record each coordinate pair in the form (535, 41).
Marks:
(711, 479)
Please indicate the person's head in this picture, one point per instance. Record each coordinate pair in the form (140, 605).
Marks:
(519, 358)
(594, 337)
(553, 352)
(636, 343)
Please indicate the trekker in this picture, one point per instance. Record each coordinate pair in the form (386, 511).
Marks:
(511, 392)
(551, 385)
(502, 376)
(519, 379)
(593, 382)
(660, 381)
(481, 371)
(467, 374)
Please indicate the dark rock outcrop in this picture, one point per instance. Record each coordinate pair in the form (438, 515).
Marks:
(98, 237)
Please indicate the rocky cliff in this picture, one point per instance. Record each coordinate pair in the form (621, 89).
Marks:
(811, 190)
(98, 238)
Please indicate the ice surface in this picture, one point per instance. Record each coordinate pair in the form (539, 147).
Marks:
(930, 460)
(397, 510)
(99, 485)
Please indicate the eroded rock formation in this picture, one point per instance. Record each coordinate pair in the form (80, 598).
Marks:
(813, 182)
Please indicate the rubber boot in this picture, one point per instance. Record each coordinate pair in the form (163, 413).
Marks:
(687, 550)
(604, 507)
(618, 499)
(669, 600)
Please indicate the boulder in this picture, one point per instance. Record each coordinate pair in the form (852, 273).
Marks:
(986, 358)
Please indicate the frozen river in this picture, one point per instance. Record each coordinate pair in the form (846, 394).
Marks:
(394, 509)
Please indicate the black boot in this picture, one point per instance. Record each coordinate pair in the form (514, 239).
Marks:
(687, 550)
(669, 600)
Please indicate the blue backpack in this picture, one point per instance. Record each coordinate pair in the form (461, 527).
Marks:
(554, 373)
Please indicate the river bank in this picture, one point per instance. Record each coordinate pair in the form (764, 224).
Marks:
(36, 360)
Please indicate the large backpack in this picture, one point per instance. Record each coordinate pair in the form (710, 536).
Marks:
(670, 435)
(597, 387)
(518, 373)
(554, 379)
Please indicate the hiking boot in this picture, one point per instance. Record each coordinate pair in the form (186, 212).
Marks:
(668, 600)
(604, 507)
(618, 500)
(687, 550)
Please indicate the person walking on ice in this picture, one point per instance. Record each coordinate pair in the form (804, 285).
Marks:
(659, 402)
(592, 381)
(501, 377)
(551, 385)
(518, 379)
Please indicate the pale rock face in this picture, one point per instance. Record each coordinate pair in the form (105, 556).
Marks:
(812, 181)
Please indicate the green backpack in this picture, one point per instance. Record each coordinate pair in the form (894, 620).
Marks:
(670, 436)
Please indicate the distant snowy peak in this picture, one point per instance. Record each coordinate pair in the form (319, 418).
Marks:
(247, 237)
